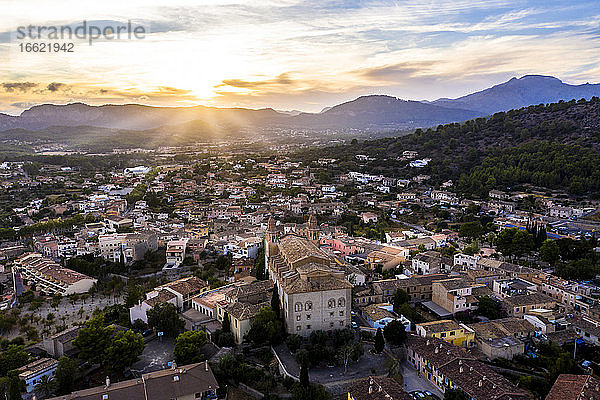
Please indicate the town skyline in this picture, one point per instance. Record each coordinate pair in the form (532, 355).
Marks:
(278, 54)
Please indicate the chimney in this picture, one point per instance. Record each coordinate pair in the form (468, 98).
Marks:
(107, 382)
(480, 383)
(379, 389)
(460, 369)
(427, 342)
(436, 350)
(173, 365)
(206, 365)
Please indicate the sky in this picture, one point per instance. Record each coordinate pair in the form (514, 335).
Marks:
(292, 54)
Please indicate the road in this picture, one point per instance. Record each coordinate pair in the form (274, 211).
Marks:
(412, 381)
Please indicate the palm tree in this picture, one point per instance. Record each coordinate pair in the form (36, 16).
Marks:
(45, 387)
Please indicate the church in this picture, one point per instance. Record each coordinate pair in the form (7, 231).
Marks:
(313, 291)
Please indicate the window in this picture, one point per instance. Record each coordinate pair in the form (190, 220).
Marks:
(308, 327)
(331, 324)
(198, 395)
(452, 333)
(298, 327)
(331, 314)
(341, 302)
(298, 307)
(298, 317)
(341, 313)
(331, 303)
(308, 306)
(341, 323)
(443, 334)
(307, 316)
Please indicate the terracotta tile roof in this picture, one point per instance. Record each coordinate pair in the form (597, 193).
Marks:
(378, 388)
(182, 382)
(574, 387)
(476, 379)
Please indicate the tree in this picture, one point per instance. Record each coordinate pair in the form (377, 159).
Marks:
(379, 341)
(124, 350)
(275, 303)
(489, 308)
(455, 394)
(92, 340)
(550, 252)
(226, 323)
(304, 380)
(471, 230)
(266, 327)
(163, 318)
(45, 387)
(400, 297)
(188, 347)
(14, 385)
(134, 294)
(259, 265)
(395, 333)
(65, 375)
(14, 357)
(351, 351)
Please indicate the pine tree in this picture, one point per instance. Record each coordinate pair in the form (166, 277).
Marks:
(226, 323)
(275, 302)
(379, 341)
(304, 381)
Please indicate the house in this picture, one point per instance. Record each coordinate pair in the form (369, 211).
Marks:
(418, 287)
(455, 295)
(242, 303)
(430, 262)
(587, 328)
(448, 330)
(502, 337)
(466, 261)
(379, 315)
(574, 387)
(188, 382)
(49, 277)
(368, 217)
(175, 252)
(517, 306)
(542, 320)
(33, 372)
(377, 388)
(59, 344)
(513, 287)
(448, 366)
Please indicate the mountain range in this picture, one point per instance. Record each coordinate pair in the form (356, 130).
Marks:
(370, 113)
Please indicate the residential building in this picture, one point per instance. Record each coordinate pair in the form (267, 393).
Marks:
(448, 330)
(517, 306)
(455, 295)
(430, 262)
(189, 382)
(574, 387)
(450, 367)
(502, 337)
(33, 372)
(49, 277)
(59, 344)
(377, 388)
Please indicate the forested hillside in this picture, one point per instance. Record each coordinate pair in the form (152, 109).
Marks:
(554, 146)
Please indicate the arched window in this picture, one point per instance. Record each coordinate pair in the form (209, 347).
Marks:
(298, 306)
(308, 306)
(341, 302)
(331, 303)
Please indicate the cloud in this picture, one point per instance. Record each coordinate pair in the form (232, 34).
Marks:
(55, 86)
(18, 86)
(167, 90)
(282, 79)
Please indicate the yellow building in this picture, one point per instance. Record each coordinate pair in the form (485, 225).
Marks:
(449, 331)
